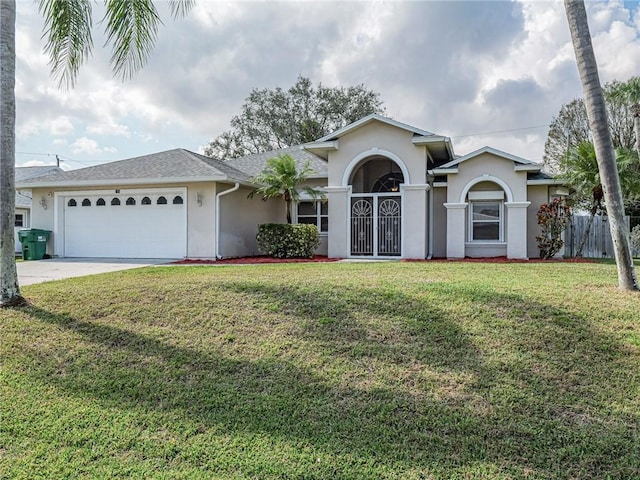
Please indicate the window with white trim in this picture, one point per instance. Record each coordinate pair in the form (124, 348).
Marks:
(486, 217)
(19, 221)
(314, 212)
(486, 221)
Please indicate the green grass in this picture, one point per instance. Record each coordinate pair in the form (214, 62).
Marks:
(314, 371)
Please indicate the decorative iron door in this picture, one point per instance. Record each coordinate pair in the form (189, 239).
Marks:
(362, 226)
(376, 223)
(389, 221)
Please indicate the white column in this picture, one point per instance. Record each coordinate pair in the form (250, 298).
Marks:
(456, 214)
(414, 220)
(517, 229)
(338, 205)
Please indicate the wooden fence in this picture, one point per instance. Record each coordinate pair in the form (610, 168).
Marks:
(598, 244)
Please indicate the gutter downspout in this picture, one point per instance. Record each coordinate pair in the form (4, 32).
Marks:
(218, 195)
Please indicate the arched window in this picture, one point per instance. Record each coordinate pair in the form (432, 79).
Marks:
(100, 202)
(86, 202)
(177, 200)
(146, 201)
(131, 201)
(161, 201)
(72, 203)
(115, 201)
(377, 175)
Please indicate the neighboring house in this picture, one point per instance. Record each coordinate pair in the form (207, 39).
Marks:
(394, 191)
(23, 197)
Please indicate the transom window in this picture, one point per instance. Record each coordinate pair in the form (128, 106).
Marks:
(314, 213)
(486, 221)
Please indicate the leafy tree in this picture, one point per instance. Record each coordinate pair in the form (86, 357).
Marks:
(281, 178)
(274, 119)
(605, 155)
(131, 28)
(628, 95)
(571, 126)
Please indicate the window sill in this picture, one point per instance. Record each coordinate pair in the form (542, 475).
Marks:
(485, 243)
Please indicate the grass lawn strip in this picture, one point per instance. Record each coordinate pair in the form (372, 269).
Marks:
(378, 370)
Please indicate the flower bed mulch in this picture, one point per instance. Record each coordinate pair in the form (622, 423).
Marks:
(504, 260)
(259, 259)
(322, 259)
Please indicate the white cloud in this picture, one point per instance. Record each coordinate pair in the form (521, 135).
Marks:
(454, 68)
(61, 126)
(88, 146)
(110, 128)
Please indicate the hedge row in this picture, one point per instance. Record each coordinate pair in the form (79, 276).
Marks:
(288, 240)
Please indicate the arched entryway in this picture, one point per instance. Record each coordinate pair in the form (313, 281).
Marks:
(376, 208)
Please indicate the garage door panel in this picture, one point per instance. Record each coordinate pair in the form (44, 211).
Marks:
(126, 231)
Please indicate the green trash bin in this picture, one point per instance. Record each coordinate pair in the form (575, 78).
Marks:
(34, 243)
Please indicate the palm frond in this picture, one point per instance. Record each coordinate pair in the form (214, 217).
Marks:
(132, 28)
(180, 8)
(68, 37)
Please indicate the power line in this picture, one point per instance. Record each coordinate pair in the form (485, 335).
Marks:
(501, 131)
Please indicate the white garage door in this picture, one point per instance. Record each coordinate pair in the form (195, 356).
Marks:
(151, 224)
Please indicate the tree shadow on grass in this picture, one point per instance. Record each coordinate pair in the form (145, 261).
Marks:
(536, 408)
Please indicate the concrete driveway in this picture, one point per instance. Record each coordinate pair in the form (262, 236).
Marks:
(38, 271)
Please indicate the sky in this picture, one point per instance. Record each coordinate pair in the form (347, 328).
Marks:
(483, 73)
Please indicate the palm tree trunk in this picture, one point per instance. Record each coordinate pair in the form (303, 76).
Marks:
(605, 154)
(9, 290)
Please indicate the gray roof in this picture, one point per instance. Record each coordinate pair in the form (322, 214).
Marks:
(254, 164)
(163, 167)
(25, 173)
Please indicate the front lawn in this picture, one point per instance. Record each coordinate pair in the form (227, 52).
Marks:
(317, 371)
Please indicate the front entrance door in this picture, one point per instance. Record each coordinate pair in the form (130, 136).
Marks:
(376, 225)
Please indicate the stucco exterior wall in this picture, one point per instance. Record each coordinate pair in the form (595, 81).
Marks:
(42, 214)
(381, 141)
(538, 194)
(239, 220)
(487, 165)
(201, 220)
(487, 171)
(375, 139)
(439, 222)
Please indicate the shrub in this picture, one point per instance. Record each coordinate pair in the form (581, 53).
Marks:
(283, 240)
(634, 237)
(553, 217)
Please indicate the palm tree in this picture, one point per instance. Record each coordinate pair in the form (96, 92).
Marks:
(596, 111)
(131, 28)
(281, 178)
